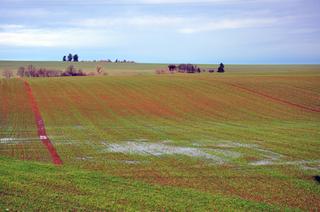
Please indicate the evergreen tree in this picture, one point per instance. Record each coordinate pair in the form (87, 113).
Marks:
(221, 68)
(70, 57)
(75, 58)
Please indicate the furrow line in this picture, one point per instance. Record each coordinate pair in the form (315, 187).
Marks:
(41, 127)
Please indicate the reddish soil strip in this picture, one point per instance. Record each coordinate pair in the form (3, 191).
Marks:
(274, 98)
(4, 110)
(41, 128)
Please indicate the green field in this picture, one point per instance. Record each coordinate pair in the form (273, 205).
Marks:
(244, 140)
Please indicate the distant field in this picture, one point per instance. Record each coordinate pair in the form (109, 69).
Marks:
(144, 68)
(110, 68)
(244, 140)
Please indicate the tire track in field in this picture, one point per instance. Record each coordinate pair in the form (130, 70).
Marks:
(273, 98)
(40, 125)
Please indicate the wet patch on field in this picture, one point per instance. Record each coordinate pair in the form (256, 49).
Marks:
(130, 161)
(67, 142)
(11, 140)
(232, 144)
(312, 167)
(79, 127)
(159, 149)
(84, 158)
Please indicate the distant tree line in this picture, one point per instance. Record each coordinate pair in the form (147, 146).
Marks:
(75, 58)
(123, 61)
(190, 68)
(110, 61)
(70, 58)
(31, 71)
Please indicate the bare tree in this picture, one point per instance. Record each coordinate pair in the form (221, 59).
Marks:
(99, 70)
(172, 67)
(188, 68)
(21, 71)
(32, 71)
(72, 71)
(7, 74)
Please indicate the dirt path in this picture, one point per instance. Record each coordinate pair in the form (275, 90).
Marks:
(41, 128)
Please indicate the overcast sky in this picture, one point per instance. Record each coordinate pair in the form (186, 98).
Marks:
(195, 31)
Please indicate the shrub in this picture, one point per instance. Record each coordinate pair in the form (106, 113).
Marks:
(72, 71)
(7, 74)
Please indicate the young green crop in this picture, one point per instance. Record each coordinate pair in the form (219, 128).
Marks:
(175, 142)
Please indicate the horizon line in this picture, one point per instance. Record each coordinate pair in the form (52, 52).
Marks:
(136, 62)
